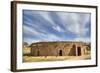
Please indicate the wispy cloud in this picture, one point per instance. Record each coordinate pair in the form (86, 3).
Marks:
(55, 26)
(75, 22)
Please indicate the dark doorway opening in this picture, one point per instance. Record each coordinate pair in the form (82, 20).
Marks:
(73, 51)
(79, 51)
(38, 53)
(60, 52)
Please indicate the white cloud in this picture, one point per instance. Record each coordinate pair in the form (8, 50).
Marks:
(46, 16)
(50, 37)
(84, 39)
(75, 22)
(30, 40)
(29, 30)
(46, 38)
(34, 27)
(58, 28)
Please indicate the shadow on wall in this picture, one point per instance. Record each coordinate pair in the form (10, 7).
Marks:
(75, 51)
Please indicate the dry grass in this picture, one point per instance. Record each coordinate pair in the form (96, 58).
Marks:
(54, 58)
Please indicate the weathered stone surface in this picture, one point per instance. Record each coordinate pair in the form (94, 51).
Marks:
(58, 49)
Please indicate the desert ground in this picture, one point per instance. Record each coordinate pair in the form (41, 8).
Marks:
(54, 58)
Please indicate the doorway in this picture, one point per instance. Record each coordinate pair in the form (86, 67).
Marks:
(60, 52)
(78, 51)
(38, 53)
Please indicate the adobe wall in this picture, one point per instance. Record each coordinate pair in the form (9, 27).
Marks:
(61, 49)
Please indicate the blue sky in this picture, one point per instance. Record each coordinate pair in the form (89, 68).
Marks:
(56, 26)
